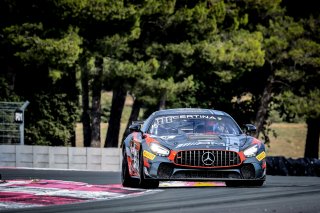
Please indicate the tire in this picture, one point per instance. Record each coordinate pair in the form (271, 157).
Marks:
(146, 183)
(126, 179)
(233, 183)
(256, 183)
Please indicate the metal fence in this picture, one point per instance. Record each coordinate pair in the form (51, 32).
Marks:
(12, 122)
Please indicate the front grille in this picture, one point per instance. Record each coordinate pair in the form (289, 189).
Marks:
(207, 158)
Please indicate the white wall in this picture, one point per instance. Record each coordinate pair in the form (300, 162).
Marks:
(104, 159)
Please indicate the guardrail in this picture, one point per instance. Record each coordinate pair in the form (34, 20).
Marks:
(104, 159)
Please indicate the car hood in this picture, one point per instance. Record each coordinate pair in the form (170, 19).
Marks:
(203, 141)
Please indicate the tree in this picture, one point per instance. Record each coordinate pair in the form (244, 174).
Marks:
(280, 36)
(299, 74)
(308, 107)
(193, 52)
(105, 28)
(301, 97)
(34, 46)
(122, 73)
(307, 59)
(168, 31)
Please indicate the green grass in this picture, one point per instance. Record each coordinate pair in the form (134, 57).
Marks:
(290, 141)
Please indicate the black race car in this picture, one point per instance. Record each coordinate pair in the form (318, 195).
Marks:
(189, 144)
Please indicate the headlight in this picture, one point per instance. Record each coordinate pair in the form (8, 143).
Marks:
(159, 150)
(251, 151)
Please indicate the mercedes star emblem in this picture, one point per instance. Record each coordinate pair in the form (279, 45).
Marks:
(207, 158)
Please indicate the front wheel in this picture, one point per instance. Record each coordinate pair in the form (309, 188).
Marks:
(126, 179)
(146, 183)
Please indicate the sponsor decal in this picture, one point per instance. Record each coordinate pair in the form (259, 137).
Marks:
(169, 137)
(134, 149)
(261, 156)
(171, 118)
(230, 143)
(201, 143)
(148, 155)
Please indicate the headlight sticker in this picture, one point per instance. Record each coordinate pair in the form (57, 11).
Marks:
(261, 156)
(148, 155)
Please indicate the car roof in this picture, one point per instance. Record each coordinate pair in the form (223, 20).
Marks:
(189, 111)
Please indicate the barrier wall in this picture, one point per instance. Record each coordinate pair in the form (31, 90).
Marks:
(279, 165)
(105, 159)
(109, 159)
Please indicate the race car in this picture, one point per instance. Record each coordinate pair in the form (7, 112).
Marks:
(191, 144)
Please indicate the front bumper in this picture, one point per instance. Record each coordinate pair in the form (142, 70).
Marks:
(162, 169)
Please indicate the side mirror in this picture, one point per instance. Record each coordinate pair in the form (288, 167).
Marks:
(135, 127)
(249, 129)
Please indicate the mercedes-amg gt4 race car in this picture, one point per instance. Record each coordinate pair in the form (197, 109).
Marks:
(192, 145)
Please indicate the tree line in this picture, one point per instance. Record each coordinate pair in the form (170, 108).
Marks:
(245, 57)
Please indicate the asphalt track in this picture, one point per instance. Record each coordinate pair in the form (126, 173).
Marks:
(279, 194)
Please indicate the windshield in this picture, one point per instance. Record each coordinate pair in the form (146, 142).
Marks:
(193, 124)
